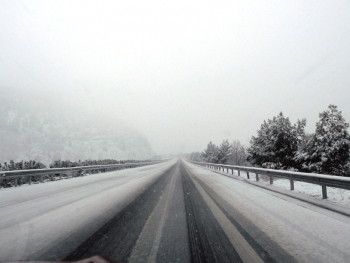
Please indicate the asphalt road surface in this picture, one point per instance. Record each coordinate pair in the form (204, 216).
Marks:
(168, 212)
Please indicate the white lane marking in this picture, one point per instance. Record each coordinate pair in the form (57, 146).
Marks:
(244, 250)
(148, 243)
(153, 254)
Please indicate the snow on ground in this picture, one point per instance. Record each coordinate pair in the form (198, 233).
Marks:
(335, 195)
(308, 233)
(55, 217)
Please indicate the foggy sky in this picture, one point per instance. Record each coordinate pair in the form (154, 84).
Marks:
(182, 72)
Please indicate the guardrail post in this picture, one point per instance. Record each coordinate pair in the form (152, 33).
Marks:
(41, 179)
(239, 172)
(257, 176)
(271, 179)
(248, 175)
(291, 184)
(324, 192)
(232, 170)
(15, 181)
(30, 180)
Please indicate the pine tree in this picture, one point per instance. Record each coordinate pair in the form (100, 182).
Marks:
(276, 143)
(224, 152)
(211, 153)
(327, 151)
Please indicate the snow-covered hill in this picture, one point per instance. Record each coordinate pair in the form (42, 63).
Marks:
(38, 129)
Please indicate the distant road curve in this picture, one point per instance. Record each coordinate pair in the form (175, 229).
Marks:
(168, 212)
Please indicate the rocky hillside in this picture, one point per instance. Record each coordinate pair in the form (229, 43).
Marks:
(37, 129)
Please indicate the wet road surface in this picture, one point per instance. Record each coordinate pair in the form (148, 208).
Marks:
(179, 212)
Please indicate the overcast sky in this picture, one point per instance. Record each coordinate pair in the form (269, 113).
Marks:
(181, 72)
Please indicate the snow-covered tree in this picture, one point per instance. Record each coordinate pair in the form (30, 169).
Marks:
(210, 154)
(196, 156)
(327, 151)
(238, 153)
(276, 143)
(224, 152)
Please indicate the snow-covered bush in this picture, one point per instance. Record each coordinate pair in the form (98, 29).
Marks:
(269, 165)
(22, 165)
(276, 143)
(327, 151)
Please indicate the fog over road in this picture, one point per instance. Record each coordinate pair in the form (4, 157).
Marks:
(168, 212)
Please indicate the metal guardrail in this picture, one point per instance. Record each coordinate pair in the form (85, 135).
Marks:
(320, 179)
(38, 174)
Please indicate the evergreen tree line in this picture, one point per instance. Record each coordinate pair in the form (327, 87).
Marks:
(11, 166)
(279, 144)
(68, 163)
(226, 153)
(22, 165)
(32, 164)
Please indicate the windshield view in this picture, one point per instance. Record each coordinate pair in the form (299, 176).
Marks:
(174, 131)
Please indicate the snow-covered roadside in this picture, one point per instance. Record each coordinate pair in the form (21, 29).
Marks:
(307, 232)
(335, 195)
(52, 219)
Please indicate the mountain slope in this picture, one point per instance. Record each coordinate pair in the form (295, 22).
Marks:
(44, 131)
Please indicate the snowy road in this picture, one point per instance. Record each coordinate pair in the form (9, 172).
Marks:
(168, 212)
